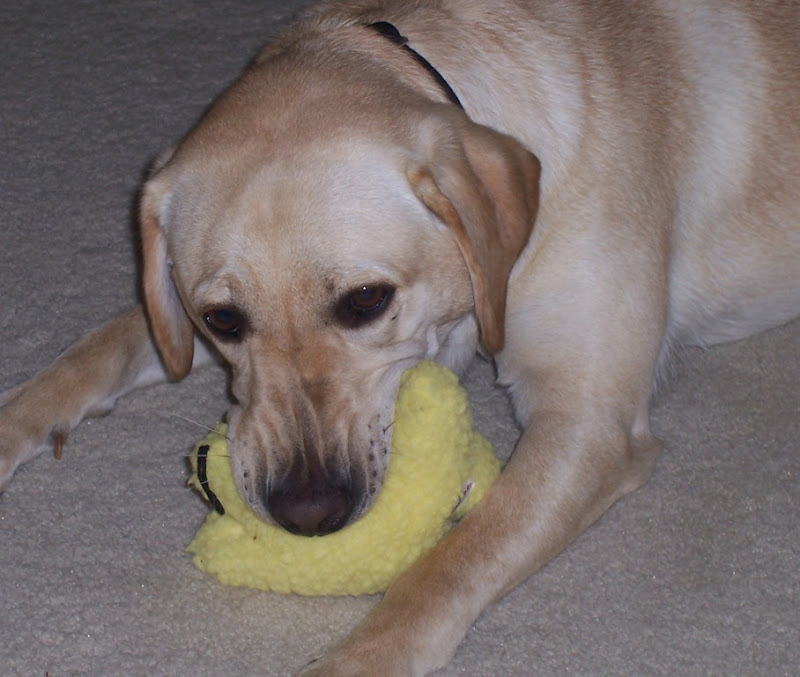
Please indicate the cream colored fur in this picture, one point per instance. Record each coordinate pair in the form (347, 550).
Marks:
(625, 179)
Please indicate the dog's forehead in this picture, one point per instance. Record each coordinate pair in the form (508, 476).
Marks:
(337, 214)
(342, 201)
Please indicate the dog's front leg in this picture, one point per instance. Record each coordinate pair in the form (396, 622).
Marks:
(560, 480)
(84, 381)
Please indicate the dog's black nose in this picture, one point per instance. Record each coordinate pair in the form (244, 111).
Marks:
(311, 506)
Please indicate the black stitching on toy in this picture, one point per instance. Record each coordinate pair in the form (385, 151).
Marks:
(202, 476)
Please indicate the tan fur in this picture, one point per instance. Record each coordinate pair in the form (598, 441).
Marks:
(654, 150)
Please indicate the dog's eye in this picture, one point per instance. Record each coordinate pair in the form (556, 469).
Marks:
(225, 323)
(364, 304)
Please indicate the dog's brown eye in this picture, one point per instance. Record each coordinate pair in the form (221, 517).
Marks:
(225, 323)
(364, 304)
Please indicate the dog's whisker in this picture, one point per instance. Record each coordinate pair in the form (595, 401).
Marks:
(193, 422)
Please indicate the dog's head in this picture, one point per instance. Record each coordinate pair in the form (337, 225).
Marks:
(325, 236)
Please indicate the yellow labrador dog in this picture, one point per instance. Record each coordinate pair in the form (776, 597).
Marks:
(578, 187)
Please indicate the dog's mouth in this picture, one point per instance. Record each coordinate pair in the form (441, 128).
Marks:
(312, 493)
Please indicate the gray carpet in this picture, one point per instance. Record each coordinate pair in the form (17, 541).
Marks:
(696, 574)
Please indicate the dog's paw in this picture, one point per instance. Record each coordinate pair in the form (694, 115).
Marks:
(20, 440)
(12, 452)
(358, 660)
(407, 634)
(328, 666)
(7, 469)
(332, 667)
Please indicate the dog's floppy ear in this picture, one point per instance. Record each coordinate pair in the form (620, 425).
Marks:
(484, 186)
(171, 328)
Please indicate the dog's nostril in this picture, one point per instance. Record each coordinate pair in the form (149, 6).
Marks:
(311, 510)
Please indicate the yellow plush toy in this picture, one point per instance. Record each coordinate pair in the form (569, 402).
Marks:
(439, 468)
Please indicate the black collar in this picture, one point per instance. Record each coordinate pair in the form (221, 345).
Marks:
(389, 31)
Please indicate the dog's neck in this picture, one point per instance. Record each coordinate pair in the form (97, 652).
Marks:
(390, 32)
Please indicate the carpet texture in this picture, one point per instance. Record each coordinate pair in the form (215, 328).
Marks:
(695, 574)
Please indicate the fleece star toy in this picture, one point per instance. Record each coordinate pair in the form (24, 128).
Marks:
(438, 470)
